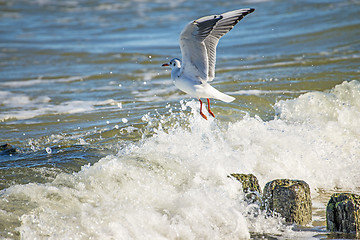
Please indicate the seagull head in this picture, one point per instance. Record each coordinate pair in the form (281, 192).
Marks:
(174, 63)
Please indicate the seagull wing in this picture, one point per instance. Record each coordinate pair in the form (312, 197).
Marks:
(223, 26)
(193, 48)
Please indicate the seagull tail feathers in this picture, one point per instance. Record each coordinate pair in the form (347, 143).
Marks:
(221, 96)
(225, 98)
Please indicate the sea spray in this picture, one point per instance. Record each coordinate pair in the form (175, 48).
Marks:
(173, 183)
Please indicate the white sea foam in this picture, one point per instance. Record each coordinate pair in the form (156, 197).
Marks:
(175, 185)
(17, 100)
(20, 106)
(34, 110)
(258, 92)
(38, 81)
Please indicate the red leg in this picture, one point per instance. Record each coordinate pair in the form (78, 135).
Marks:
(201, 113)
(209, 108)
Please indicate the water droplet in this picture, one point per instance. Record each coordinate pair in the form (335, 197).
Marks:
(124, 120)
(48, 150)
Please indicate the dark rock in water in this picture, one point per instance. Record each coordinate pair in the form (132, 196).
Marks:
(250, 186)
(5, 146)
(7, 149)
(343, 213)
(290, 198)
(249, 182)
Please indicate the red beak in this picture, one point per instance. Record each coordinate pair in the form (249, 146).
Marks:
(165, 65)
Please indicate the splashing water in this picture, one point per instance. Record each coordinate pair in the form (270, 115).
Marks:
(175, 184)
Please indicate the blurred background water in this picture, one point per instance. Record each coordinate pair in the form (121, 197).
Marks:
(93, 122)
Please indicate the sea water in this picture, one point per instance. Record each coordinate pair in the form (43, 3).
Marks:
(105, 147)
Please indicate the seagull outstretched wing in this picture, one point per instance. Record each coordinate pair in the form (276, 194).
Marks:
(199, 39)
(223, 26)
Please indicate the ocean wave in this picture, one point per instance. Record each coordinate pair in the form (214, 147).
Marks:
(174, 184)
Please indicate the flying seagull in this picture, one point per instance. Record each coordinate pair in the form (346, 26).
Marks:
(198, 43)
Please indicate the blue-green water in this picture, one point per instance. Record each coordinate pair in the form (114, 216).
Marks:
(104, 146)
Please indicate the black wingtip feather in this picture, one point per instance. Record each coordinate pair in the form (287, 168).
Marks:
(249, 11)
(246, 13)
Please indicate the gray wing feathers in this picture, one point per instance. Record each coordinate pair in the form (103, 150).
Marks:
(194, 64)
(211, 43)
(199, 39)
(205, 26)
(229, 20)
(193, 49)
